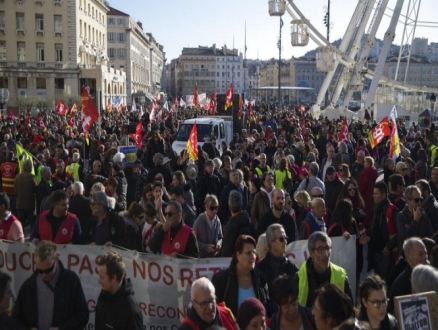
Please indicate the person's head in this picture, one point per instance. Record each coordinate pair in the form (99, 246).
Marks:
(150, 213)
(98, 186)
(277, 239)
(396, 183)
(148, 191)
(178, 179)
(285, 294)
(344, 170)
(136, 212)
(60, 166)
(413, 197)
(380, 192)
(302, 198)
(330, 174)
(46, 260)
(244, 252)
(268, 181)
(60, 202)
(262, 246)
(360, 157)
(313, 169)
(251, 315)
(434, 175)
(111, 269)
(287, 202)
(4, 203)
(342, 147)
(278, 200)
(262, 160)
(343, 213)
(330, 151)
(369, 162)
(211, 204)
(318, 207)
(27, 166)
(177, 194)
(209, 166)
(422, 155)
(235, 201)
(401, 168)
(173, 213)
(424, 278)
(5, 291)
(46, 173)
(227, 161)
(373, 300)
(78, 188)
(390, 163)
(235, 177)
(320, 245)
(415, 252)
(158, 189)
(424, 187)
(331, 307)
(99, 203)
(316, 192)
(203, 299)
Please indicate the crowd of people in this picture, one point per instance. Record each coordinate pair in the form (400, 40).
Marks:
(284, 177)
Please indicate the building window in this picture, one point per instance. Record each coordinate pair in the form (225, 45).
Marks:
(121, 37)
(2, 19)
(21, 51)
(21, 83)
(121, 21)
(58, 52)
(111, 21)
(59, 83)
(40, 83)
(40, 51)
(19, 18)
(2, 50)
(3, 82)
(58, 24)
(121, 53)
(111, 36)
(39, 22)
(112, 53)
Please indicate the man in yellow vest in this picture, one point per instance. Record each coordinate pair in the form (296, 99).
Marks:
(318, 270)
(75, 169)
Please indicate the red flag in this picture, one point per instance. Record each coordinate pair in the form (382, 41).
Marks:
(215, 102)
(394, 149)
(137, 136)
(152, 115)
(229, 97)
(71, 122)
(175, 102)
(195, 97)
(89, 111)
(207, 105)
(108, 106)
(249, 111)
(74, 108)
(343, 132)
(41, 121)
(11, 115)
(211, 108)
(192, 143)
(239, 114)
(376, 135)
(61, 108)
(302, 109)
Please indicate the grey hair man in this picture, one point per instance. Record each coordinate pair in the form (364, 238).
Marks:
(318, 270)
(312, 180)
(80, 205)
(275, 263)
(424, 279)
(234, 185)
(238, 224)
(203, 310)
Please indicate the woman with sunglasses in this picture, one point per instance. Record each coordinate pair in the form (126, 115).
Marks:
(208, 229)
(373, 303)
(134, 220)
(351, 192)
(344, 172)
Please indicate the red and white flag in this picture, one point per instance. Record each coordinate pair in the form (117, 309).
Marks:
(74, 108)
(61, 108)
(137, 136)
(343, 132)
(89, 111)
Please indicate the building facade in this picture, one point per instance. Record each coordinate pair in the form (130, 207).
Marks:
(53, 47)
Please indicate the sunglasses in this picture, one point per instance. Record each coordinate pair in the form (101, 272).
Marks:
(416, 200)
(317, 196)
(46, 271)
(169, 214)
(352, 189)
(214, 208)
(282, 239)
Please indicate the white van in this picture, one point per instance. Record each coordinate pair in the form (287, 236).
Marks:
(219, 127)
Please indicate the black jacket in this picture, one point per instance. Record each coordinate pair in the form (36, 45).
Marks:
(207, 185)
(227, 287)
(379, 231)
(285, 220)
(116, 226)
(70, 310)
(80, 205)
(118, 311)
(133, 235)
(43, 190)
(240, 224)
(272, 268)
(401, 287)
(430, 206)
(224, 209)
(122, 188)
(332, 191)
(202, 325)
(388, 323)
(306, 315)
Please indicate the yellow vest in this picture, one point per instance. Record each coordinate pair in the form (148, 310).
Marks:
(280, 176)
(337, 277)
(73, 170)
(260, 172)
(432, 150)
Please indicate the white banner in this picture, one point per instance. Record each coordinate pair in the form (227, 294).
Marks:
(161, 284)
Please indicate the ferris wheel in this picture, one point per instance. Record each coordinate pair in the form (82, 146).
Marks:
(349, 59)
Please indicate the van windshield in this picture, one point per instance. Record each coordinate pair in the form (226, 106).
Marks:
(184, 130)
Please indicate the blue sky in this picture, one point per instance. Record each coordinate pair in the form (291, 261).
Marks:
(190, 23)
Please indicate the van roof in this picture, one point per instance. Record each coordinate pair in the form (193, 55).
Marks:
(202, 120)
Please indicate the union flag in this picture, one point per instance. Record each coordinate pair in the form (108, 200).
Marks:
(192, 143)
(89, 111)
(61, 108)
(195, 97)
(343, 132)
(229, 97)
(376, 135)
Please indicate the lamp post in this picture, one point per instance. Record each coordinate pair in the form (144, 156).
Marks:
(327, 24)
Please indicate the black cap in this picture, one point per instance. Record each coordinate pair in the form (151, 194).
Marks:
(330, 170)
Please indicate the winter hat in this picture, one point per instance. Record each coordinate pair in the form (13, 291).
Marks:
(250, 308)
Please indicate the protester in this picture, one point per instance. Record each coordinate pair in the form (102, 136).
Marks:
(134, 218)
(116, 307)
(6, 322)
(25, 190)
(251, 315)
(10, 227)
